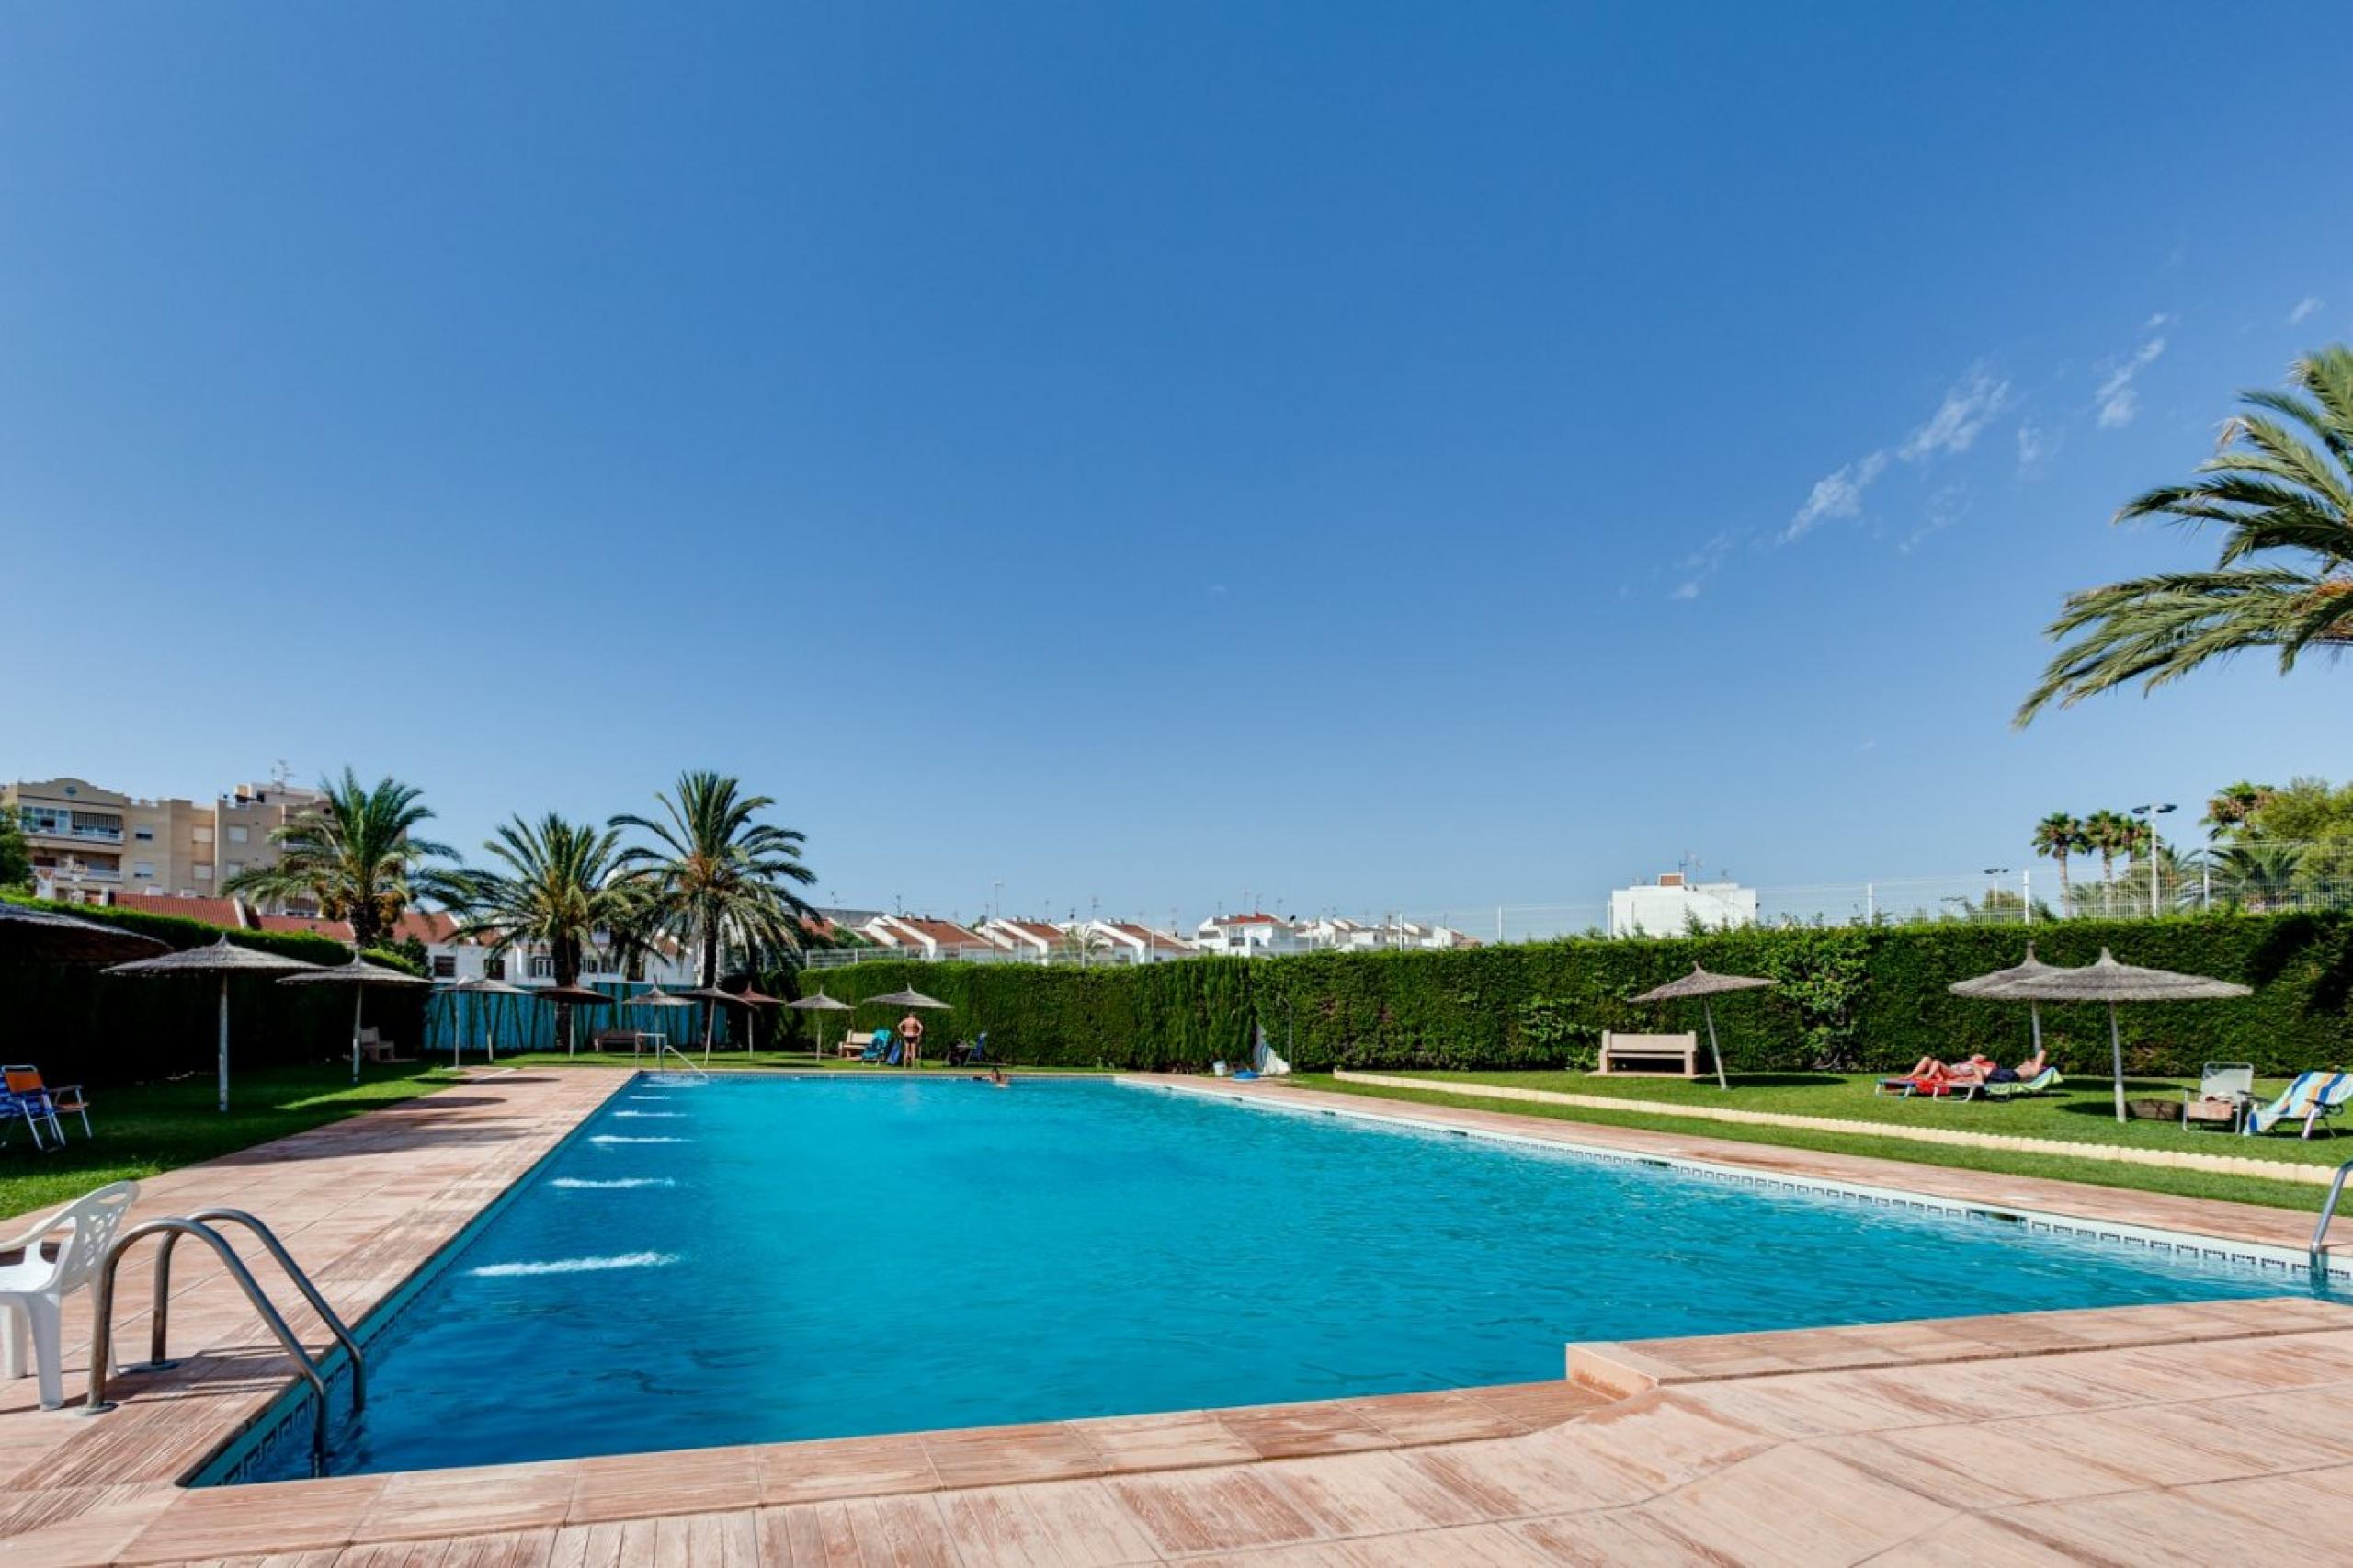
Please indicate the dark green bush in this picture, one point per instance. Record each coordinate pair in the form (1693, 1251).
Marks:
(1844, 998)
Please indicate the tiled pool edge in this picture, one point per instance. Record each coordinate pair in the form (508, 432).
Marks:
(237, 1451)
(2285, 1261)
(457, 1503)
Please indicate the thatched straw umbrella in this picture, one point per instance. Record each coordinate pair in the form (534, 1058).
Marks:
(1995, 987)
(359, 974)
(754, 999)
(224, 958)
(2111, 983)
(1703, 985)
(567, 997)
(656, 997)
(713, 998)
(44, 935)
(910, 998)
(483, 986)
(819, 1002)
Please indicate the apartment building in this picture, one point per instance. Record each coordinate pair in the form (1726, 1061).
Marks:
(88, 841)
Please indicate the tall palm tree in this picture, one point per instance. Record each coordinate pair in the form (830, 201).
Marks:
(556, 885)
(2109, 832)
(2232, 806)
(357, 855)
(2059, 835)
(2280, 484)
(718, 878)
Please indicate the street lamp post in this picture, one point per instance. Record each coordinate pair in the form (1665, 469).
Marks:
(2153, 811)
(1993, 887)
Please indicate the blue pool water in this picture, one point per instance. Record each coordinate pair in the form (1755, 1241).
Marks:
(760, 1260)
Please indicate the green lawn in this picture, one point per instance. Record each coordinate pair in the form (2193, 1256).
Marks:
(142, 1129)
(1845, 1095)
(2081, 1110)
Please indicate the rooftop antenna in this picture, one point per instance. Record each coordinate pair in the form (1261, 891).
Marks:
(279, 773)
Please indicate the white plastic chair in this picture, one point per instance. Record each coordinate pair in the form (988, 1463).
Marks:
(35, 1288)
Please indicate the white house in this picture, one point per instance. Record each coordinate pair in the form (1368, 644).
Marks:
(1139, 944)
(1037, 940)
(1669, 906)
(1254, 935)
(919, 935)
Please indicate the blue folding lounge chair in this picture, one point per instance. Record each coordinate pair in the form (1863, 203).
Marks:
(877, 1047)
(2312, 1096)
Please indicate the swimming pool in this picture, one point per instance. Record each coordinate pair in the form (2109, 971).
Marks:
(766, 1259)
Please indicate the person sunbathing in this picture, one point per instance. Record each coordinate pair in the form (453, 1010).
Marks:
(1929, 1071)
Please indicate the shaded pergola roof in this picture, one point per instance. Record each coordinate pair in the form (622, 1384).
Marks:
(44, 935)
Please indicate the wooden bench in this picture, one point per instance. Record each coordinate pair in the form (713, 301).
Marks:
(615, 1041)
(854, 1044)
(1649, 1056)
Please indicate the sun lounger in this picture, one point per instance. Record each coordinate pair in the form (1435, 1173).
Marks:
(2017, 1088)
(974, 1054)
(2312, 1096)
(879, 1045)
(2224, 1091)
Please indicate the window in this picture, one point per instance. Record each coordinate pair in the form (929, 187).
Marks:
(143, 835)
(234, 867)
(203, 873)
(542, 967)
(142, 868)
(203, 834)
(445, 966)
(492, 968)
(236, 834)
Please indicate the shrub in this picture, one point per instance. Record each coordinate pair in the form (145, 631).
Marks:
(1844, 998)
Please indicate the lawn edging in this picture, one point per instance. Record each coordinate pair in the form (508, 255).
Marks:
(2177, 1159)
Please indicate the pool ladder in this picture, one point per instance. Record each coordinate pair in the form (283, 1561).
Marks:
(666, 1048)
(2327, 1212)
(203, 1225)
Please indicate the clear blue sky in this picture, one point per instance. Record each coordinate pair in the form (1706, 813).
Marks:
(1371, 455)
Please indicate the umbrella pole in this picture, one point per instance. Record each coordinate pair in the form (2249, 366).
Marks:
(224, 1045)
(2034, 1011)
(1713, 1048)
(359, 993)
(2116, 1049)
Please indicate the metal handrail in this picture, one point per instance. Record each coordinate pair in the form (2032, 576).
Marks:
(102, 1332)
(2327, 1212)
(688, 1061)
(159, 1328)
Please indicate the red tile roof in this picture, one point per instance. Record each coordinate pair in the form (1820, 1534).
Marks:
(338, 929)
(1257, 918)
(211, 911)
(1037, 930)
(428, 926)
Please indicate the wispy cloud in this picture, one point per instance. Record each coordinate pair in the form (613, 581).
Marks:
(1702, 563)
(2118, 398)
(1838, 494)
(1967, 409)
(2035, 444)
(2304, 307)
(1945, 508)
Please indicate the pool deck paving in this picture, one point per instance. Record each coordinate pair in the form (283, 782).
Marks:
(2174, 1433)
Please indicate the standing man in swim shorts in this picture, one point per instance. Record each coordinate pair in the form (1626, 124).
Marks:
(910, 1031)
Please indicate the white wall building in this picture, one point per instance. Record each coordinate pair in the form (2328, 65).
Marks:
(1669, 906)
(1254, 935)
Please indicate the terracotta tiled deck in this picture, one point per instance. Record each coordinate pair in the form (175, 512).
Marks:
(2146, 1435)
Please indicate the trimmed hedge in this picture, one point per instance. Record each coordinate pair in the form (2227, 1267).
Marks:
(1870, 999)
(82, 1024)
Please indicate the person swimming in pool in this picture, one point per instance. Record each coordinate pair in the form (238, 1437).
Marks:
(910, 1032)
